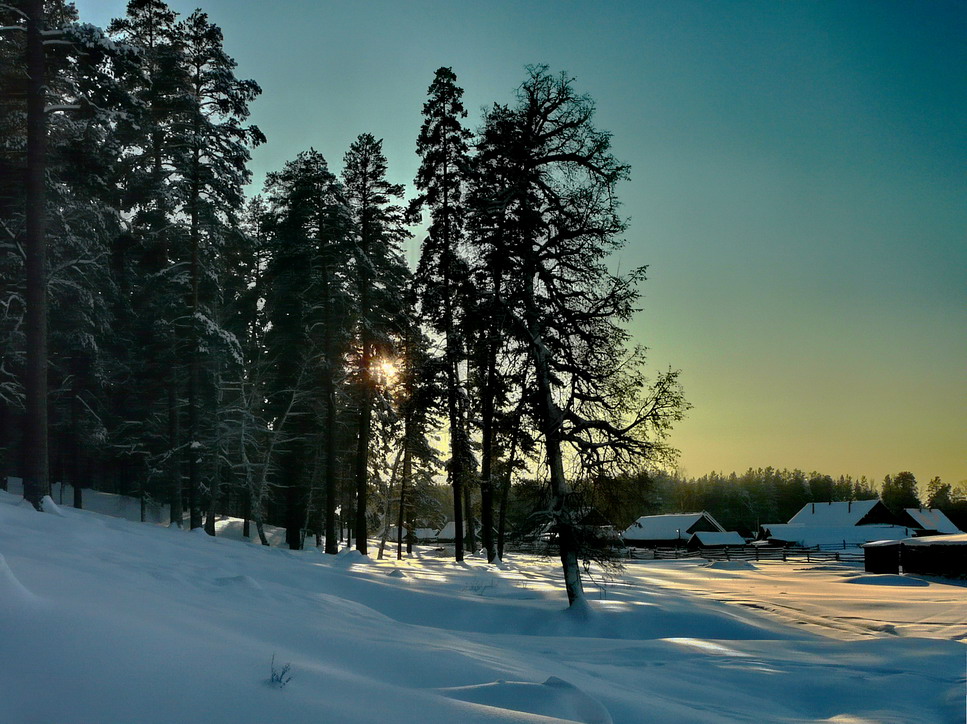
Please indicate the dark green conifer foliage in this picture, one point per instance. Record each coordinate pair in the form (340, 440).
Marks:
(210, 185)
(379, 230)
(80, 96)
(310, 301)
(148, 394)
(443, 276)
(899, 492)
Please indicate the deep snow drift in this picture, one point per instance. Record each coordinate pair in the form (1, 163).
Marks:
(105, 620)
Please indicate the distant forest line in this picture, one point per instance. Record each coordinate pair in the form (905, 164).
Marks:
(744, 501)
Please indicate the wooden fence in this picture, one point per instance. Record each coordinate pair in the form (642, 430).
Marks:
(814, 554)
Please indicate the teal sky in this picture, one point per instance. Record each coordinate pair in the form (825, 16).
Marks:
(799, 189)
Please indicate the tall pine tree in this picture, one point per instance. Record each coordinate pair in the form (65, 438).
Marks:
(443, 278)
(558, 200)
(381, 276)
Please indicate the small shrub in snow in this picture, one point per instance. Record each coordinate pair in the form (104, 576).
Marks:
(280, 674)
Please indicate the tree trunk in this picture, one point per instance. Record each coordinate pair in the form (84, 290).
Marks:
(332, 539)
(295, 505)
(388, 501)
(471, 539)
(260, 529)
(459, 444)
(36, 480)
(194, 372)
(407, 473)
(551, 420)
(176, 503)
(487, 459)
(329, 423)
(75, 439)
(488, 415)
(504, 495)
(362, 449)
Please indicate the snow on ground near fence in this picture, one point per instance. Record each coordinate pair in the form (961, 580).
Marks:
(833, 600)
(106, 620)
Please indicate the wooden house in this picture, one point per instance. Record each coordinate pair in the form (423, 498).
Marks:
(656, 531)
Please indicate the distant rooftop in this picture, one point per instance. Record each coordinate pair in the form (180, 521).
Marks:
(932, 519)
(729, 538)
(840, 513)
(670, 526)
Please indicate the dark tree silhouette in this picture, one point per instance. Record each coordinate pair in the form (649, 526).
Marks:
(563, 303)
(381, 276)
(442, 276)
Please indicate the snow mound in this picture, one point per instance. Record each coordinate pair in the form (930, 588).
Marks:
(888, 580)
(396, 573)
(240, 583)
(554, 698)
(490, 584)
(837, 569)
(48, 505)
(349, 557)
(732, 566)
(12, 591)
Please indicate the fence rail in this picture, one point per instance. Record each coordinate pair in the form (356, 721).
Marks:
(749, 553)
(814, 554)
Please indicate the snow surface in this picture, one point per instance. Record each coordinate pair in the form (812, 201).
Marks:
(958, 539)
(107, 620)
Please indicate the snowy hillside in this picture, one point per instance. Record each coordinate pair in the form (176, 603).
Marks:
(106, 620)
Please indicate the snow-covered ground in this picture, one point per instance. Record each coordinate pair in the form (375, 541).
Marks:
(107, 620)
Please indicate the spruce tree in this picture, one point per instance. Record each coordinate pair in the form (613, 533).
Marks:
(149, 258)
(381, 278)
(78, 99)
(309, 302)
(210, 186)
(443, 278)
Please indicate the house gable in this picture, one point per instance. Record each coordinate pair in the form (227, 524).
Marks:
(671, 529)
(929, 520)
(844, 513)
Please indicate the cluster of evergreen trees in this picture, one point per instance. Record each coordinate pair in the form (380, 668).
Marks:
(275, 357)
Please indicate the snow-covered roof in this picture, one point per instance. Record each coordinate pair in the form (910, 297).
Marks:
(811, 535)
(447, 532)
(840, 513)
(666, 527)
(729, 538)
(932, 519)
(960, 539)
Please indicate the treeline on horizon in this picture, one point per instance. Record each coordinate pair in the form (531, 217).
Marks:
(744, 501)
(274, 357)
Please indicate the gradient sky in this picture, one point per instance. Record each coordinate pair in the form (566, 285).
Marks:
(799, 189)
